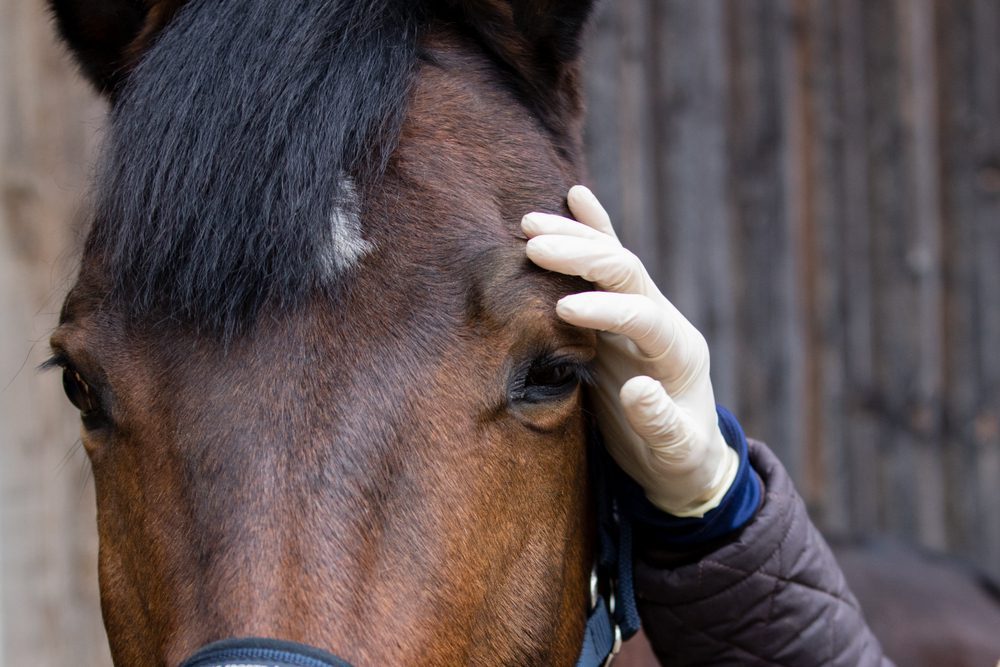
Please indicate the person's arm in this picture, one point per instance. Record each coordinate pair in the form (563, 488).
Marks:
(769, 594)
(729, 569)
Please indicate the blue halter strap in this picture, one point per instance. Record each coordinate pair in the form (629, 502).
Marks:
(614, 616)
(256, 652)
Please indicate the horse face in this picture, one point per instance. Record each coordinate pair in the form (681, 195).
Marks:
(388, 462)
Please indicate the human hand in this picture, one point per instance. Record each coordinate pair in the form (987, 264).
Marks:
(653, 395)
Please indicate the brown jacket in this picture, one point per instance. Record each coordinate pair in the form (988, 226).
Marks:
(771, 595)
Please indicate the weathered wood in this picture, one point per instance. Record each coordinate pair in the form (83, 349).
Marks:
(49, 610)
(601, 129)
(762, 243)
(969, 62)
(817, 141)
(986, 103)
(860, 236)
(688, 77)
(856, 310)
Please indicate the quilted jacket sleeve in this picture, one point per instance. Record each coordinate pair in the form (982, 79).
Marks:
(771, 595)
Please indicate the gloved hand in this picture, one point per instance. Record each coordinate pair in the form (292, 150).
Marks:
(654, 400)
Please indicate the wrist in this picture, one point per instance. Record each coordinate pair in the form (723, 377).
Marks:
(715, 489)
(738, 506)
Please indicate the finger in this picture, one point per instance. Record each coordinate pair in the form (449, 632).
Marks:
(659, 421)
(634, 316)
(606, 264)
(587, 209)
(537, 224)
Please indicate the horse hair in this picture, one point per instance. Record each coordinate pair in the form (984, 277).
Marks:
(228, 148)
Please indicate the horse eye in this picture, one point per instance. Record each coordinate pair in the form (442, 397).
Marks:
(82, 397)
(549, 379)
(556, 375)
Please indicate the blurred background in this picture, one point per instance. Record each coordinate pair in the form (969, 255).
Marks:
(816, 184)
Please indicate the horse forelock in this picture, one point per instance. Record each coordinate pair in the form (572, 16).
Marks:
(239, 151)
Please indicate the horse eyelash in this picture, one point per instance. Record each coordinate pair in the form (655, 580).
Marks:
(57, 360)
(587, 377)
(584, 371)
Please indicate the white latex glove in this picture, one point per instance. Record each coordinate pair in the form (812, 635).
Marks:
(654, 400)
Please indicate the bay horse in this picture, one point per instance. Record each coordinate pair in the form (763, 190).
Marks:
(325, 397)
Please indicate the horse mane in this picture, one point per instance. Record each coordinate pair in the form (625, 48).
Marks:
(233, 149)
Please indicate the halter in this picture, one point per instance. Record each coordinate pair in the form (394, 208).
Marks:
(613, 616)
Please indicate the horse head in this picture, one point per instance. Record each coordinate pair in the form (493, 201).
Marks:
(325, 397)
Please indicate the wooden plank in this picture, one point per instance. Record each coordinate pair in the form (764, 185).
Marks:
(897, 351)
(639, 214)
(800, 193)
(768, 348)
(691, 79)
(986, 37)
(971, 77)
(820, 247)
(861, 433)
(962, 236)
(601, 84)
(920, 119)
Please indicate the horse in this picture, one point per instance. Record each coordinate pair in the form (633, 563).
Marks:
(324, 396)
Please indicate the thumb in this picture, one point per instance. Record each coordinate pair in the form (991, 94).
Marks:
(658, 420)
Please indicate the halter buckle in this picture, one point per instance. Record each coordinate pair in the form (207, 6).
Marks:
(595, 596)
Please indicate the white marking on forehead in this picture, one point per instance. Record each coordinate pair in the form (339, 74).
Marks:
(347, 246)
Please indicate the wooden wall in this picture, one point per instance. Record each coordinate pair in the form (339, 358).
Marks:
(816, 183)
(49, 614)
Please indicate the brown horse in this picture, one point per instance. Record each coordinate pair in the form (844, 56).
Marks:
(325, 397)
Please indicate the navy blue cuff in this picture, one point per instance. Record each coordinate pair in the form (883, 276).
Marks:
(738, 506)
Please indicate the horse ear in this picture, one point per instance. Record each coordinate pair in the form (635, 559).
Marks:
(540, 40)
(108, 37)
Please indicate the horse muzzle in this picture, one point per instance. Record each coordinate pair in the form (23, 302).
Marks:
(256, 652)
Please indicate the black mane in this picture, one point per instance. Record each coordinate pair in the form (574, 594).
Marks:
(229, 144)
